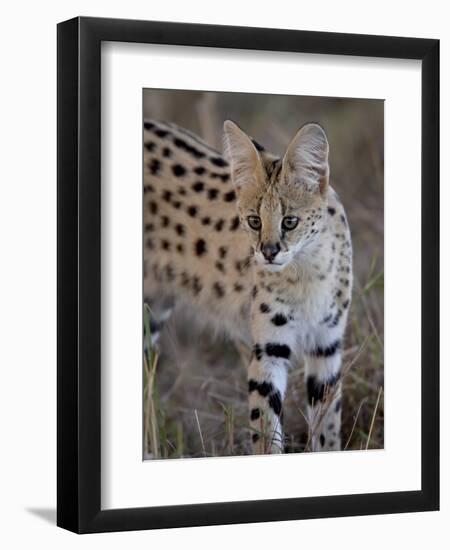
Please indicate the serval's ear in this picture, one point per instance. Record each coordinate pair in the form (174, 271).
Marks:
(306, 159)
(245, 162)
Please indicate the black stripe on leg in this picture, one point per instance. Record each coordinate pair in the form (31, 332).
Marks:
(317, 390)
(326, 351)
(263, 388)
(278, 350)
(257, 350)
(275, 402)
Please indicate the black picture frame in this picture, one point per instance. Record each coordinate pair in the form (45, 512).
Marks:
(79, 275)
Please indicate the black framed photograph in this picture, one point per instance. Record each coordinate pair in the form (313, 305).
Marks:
(248, 255)
(208, 257)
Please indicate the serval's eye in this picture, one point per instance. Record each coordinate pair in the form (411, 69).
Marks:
(254, 222)
(290, 222)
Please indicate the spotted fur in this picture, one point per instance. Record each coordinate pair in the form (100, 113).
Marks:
(261, 246)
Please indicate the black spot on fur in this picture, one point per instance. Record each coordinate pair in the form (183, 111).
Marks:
(196, 285)
(185, 279)
(150, 146)
(178, 170)
(153, 207)
(206, 220)
(200, 247)
(180, 229)
(149, 244)
(192, 211)
(167, 153)
(219, 290)
(331, 211)
(278, 350)
(336, 318)
(148, 125)
(337, 407)
(279, 320)
(161, 133)
(222, 177)
(255, 438)
(237, 287)
(199, 170)
(275, 402)
(222, 251)
(257, 350)
(165, 245)
(213, 194)
(234, 223)
(167, 195)
(255, 414)
(254, 292)
(322, 440)
(154, 166)
(165, 221)
(180, 248)
(264, 388)
(326, 351)
(230, 196)
(264, 308)
(219, 225)
(220, 267)
(198, 186)
(218, 161)
(149, 227)
(181, 144)
(345, 304)
(317, 390)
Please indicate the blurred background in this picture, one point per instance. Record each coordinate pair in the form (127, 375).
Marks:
(195, 392)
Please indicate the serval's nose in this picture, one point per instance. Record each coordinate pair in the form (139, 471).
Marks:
(270, 251)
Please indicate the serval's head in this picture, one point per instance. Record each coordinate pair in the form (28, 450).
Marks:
(282, 201)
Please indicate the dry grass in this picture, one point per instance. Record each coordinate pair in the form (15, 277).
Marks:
(195, 398)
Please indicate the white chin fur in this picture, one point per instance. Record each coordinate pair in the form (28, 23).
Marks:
(280, 264)
(273, 268)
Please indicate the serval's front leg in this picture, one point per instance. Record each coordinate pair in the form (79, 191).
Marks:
(267, 376)
(267, 386)
(323, 385)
